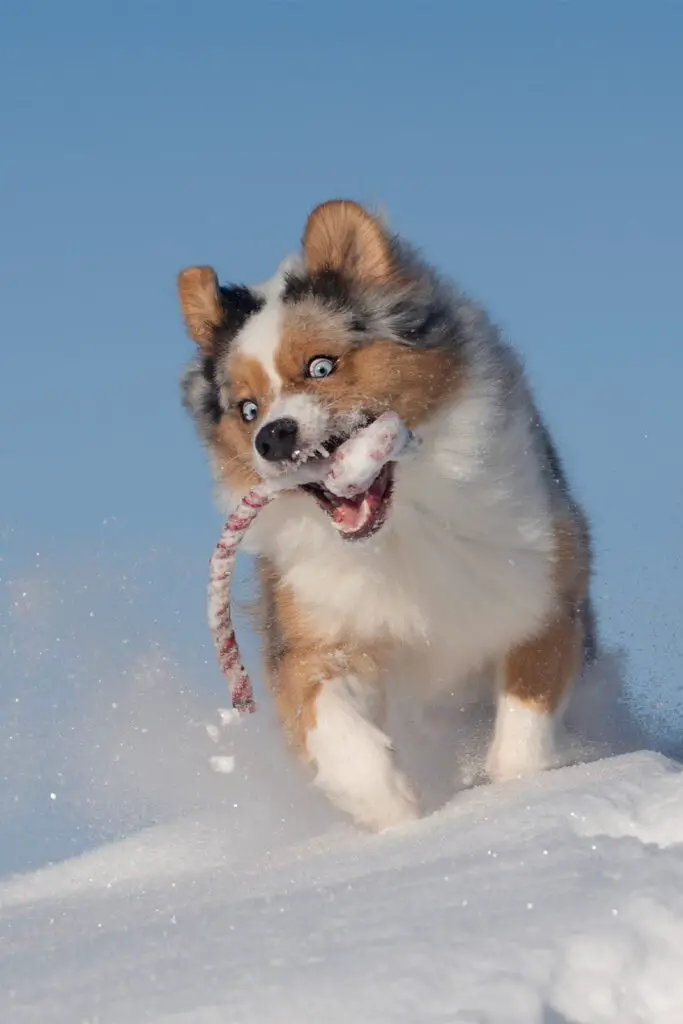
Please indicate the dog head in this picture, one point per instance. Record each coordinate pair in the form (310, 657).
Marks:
(290, 369)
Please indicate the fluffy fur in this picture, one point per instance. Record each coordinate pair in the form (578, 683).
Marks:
(479, 563)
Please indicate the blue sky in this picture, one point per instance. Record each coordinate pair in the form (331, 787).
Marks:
(532, 149)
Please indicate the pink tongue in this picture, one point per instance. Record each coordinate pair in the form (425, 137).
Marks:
(352, 513)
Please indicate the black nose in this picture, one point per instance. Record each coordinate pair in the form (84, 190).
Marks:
(277, 440)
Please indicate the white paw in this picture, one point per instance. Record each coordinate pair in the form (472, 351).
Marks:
(501, 765)
(379, 809)
(353, 759)
(523, 741)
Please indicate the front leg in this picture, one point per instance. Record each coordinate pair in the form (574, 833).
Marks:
(534, 680)
(329, 704)
(536, 676)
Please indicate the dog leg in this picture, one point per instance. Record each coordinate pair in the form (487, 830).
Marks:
(353, 757)
(333, 723)
(534, 679)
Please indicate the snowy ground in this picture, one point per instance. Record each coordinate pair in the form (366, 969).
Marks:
(555, 900)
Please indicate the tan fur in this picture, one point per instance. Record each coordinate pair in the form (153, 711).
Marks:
(266, 620)
(200, 303)
(342, 235)
(539, 671)
(233, 437)
(572, 557)
(232, 453)
(308, 330)
(248, 379)
(375, 376)
(297, 662)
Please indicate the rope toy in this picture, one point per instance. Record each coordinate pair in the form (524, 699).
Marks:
(349, 471)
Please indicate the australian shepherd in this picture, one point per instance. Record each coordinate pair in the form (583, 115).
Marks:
(471, 559)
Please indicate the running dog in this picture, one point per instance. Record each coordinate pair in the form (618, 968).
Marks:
(470, 559)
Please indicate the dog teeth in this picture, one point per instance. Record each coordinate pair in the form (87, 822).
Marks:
(300, 457)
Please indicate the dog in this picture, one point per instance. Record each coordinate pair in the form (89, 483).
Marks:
(471, 560)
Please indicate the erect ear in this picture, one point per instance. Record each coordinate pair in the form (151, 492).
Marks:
(341, 235)
(200, 300)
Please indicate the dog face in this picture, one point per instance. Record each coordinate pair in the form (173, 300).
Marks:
(291, 369)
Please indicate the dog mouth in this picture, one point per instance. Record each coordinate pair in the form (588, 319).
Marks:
(362, 515)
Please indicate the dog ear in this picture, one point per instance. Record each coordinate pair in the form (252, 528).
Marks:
(200, 300)
(340, 235)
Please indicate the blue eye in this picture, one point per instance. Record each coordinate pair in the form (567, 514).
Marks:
(248, 410)
(320, 367)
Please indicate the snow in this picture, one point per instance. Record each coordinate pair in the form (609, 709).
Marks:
(556, 899)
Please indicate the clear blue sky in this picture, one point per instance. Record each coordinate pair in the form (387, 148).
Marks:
(533, 149)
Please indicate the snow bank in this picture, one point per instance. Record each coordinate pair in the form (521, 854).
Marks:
(557, 900)
(239, 895)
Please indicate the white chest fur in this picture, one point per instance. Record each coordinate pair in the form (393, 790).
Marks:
(462, 569)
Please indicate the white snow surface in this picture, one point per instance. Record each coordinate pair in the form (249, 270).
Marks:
(557, 899)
